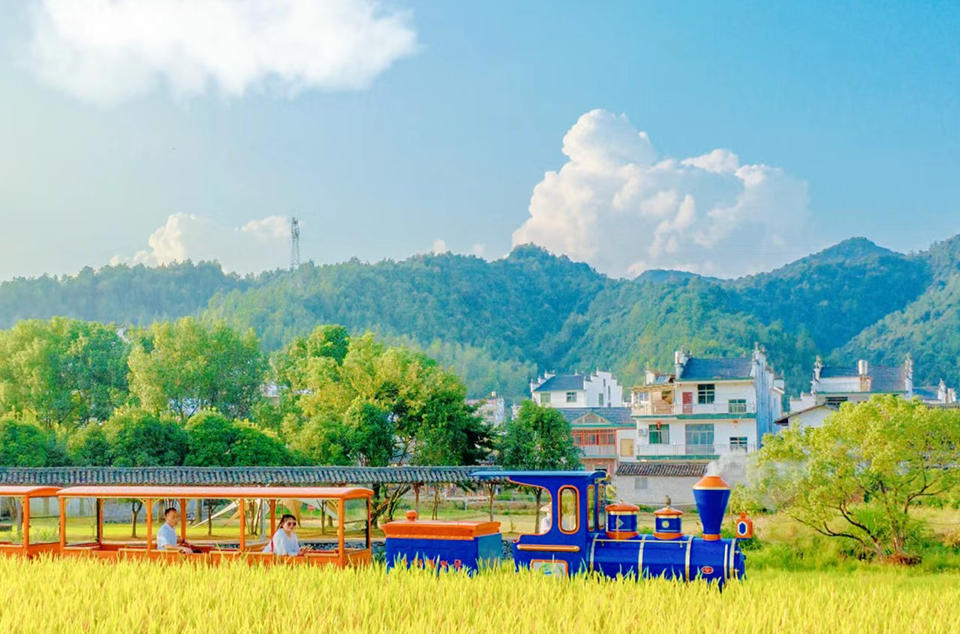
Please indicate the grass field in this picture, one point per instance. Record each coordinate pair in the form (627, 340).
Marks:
(80, 596)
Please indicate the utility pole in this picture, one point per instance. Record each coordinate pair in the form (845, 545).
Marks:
(294, 244)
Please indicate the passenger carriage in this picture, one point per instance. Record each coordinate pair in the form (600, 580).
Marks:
(28, 521)
(222, 523)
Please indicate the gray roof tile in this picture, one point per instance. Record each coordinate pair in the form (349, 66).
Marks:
(690, 469)
(616, 415)
(561, 382)
(723, 368)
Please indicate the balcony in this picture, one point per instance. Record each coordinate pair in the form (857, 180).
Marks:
(597, 450)
(683, 451)
(662, 408)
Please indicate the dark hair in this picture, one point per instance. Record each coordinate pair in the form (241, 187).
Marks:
(284, 518)
(170, 510)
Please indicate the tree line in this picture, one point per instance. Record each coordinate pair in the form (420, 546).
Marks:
(202, 393)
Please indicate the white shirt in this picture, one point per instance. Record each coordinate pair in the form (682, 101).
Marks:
(166, 537)
(284, 546)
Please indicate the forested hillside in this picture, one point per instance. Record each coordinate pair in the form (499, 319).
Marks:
(498, 323)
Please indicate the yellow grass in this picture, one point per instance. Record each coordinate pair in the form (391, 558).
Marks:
(76, 596)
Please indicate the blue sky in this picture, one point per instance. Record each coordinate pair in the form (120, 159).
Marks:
(858, 102)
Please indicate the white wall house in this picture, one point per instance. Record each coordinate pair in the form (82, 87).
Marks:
(709, 407)
(833, 385)
(599, 389)
(492, 409)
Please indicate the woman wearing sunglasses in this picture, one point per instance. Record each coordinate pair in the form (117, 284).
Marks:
(285, 543)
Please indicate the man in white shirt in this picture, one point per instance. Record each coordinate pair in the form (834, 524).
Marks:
(167, 538)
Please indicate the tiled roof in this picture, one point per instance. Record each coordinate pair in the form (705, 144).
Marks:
(231, 476)
(616, 415)
(725, 368)
(883, 378)
(663, 469)
(561, 382)
(837, 371)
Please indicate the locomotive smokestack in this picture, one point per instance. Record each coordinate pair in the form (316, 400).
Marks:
(712, 495)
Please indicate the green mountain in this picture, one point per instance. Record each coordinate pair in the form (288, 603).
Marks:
(498, 323)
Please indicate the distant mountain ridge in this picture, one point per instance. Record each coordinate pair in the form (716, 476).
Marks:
(499, 322)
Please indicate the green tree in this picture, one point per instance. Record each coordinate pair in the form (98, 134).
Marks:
(62, 371)
(28, 445)
(215, 441)
(860, 475)
(139, 438)
(189, 366)
(90, 447)
(539, 438)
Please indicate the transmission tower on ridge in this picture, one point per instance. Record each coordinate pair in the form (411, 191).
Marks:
(294, 244)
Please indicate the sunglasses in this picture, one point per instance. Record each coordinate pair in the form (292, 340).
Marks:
(289, 523)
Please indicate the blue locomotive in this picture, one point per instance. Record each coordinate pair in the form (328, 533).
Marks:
(583, 533)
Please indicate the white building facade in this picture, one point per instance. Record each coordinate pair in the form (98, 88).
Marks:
(833, 385)
(707, 408)
(599, 389)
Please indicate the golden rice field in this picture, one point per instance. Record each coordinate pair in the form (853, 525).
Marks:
(81, 596)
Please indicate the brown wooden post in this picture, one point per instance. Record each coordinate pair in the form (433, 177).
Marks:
(490, 490)
(273, 517)
(416, 497)
(63, 523)
(98, 505)
(149, 504)
(183, 520)
(243, 526)
(340, 532)
(25, 523)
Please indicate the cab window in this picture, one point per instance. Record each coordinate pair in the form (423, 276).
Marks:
(591, 508)
(602, 507)
(569, 510)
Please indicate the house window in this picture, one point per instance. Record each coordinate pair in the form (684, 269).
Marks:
(545, 398)
(592, 438)
(640, 483)
(706, 392)
(738, 443)
(699, 438)
(571, 397)
(659, 435)
(601, 400)
(737, 406)
(834, 401)
(626, 448)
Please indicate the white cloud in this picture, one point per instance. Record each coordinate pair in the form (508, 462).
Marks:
(109, 51)
(439, 246)
(257, 246)
(620, 207)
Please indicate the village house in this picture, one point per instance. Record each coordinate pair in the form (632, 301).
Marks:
(602, 427)
(708, 409)
(598, 389)
(833, 385)
(492, 409)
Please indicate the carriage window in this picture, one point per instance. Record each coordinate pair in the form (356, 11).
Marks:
(355, 524)
(591, 508)
(44, 521)
(11, 520)
(569, 510)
